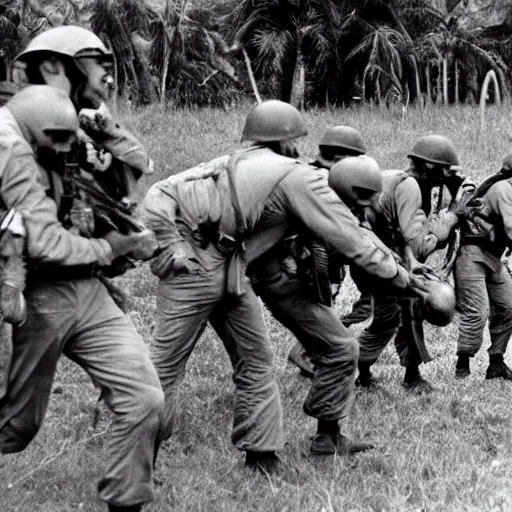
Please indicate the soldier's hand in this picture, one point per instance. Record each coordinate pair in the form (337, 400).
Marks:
(120, 244)
(402, 279)
(100, 160)
(144, 245)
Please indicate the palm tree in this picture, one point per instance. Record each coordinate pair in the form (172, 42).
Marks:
(445, 46)
(123, 24)
(187, 41)
(290, 42)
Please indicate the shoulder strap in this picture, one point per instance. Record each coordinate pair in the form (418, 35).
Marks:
(240, 225)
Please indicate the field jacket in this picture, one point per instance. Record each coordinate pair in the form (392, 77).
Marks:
(23, 186)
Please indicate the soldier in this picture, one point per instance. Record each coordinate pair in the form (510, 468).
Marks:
(483, 283)
(68, 309)
(282, 278)
(400, 221)
(201, 218)
(336, 143)
(75, 60)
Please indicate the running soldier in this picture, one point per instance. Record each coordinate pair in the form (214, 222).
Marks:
(75, 60)
(286, 280)
(201, 218)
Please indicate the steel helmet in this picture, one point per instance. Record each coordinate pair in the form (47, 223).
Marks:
(353, 174)
(435, 149)
(273, 120)
(67, 40)
(40, 110)
(439, 302)
(344, 137)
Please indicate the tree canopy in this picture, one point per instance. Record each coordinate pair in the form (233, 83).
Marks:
(309, 52)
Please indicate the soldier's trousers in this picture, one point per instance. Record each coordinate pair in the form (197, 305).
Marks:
(332, 347)
(484, 292)
(185, 303)
(393, 316)
(361, 311)
(79, 318)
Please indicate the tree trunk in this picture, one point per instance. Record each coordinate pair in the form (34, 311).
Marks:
(165, 69)
(251, 76)
(429, 89)
(299, 82)
(456, 83)
(439, 81)
(417, 80)
(445, 81)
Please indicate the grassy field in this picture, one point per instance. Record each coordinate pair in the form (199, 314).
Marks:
(448, 452)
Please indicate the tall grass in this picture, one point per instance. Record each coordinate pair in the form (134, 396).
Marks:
(448, 452)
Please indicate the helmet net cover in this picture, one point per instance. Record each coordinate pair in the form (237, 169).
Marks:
(352, 173)
(273, 120)
(41, 108)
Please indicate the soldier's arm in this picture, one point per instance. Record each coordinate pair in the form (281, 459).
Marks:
(412, 220)
(159, 212)
(310, 199)
(499, 198)
(47, 240)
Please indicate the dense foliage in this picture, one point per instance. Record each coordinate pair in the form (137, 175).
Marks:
(304, 51)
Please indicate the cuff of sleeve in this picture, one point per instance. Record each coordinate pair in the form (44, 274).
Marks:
(105, 253)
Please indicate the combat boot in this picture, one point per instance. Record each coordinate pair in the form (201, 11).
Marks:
(324, 444)
(269, 464)
(498, 369)
(328, 440)
(414, 382)
(365, 378)
(462, 368)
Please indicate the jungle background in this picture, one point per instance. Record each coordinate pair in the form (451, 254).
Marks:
(308, 52)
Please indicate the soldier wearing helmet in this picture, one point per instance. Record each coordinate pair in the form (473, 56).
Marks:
(400, 221)
(337, 143)
(215, 220)
(37, 126)
(483, 282)
(74, 60)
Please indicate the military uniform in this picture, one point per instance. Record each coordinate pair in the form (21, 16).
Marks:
(399, 221)
(276, 195)
(71, 312)
(483, 283)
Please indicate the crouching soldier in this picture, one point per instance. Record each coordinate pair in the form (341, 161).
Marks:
(337, 143)
(201, 218)
(287, 281)
(68, 309)
(483, 283)
(400, 221)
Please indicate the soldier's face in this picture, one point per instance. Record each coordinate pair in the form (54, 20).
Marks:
(58, 141)
(436, 173)
(365, 197)
(99, 79)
